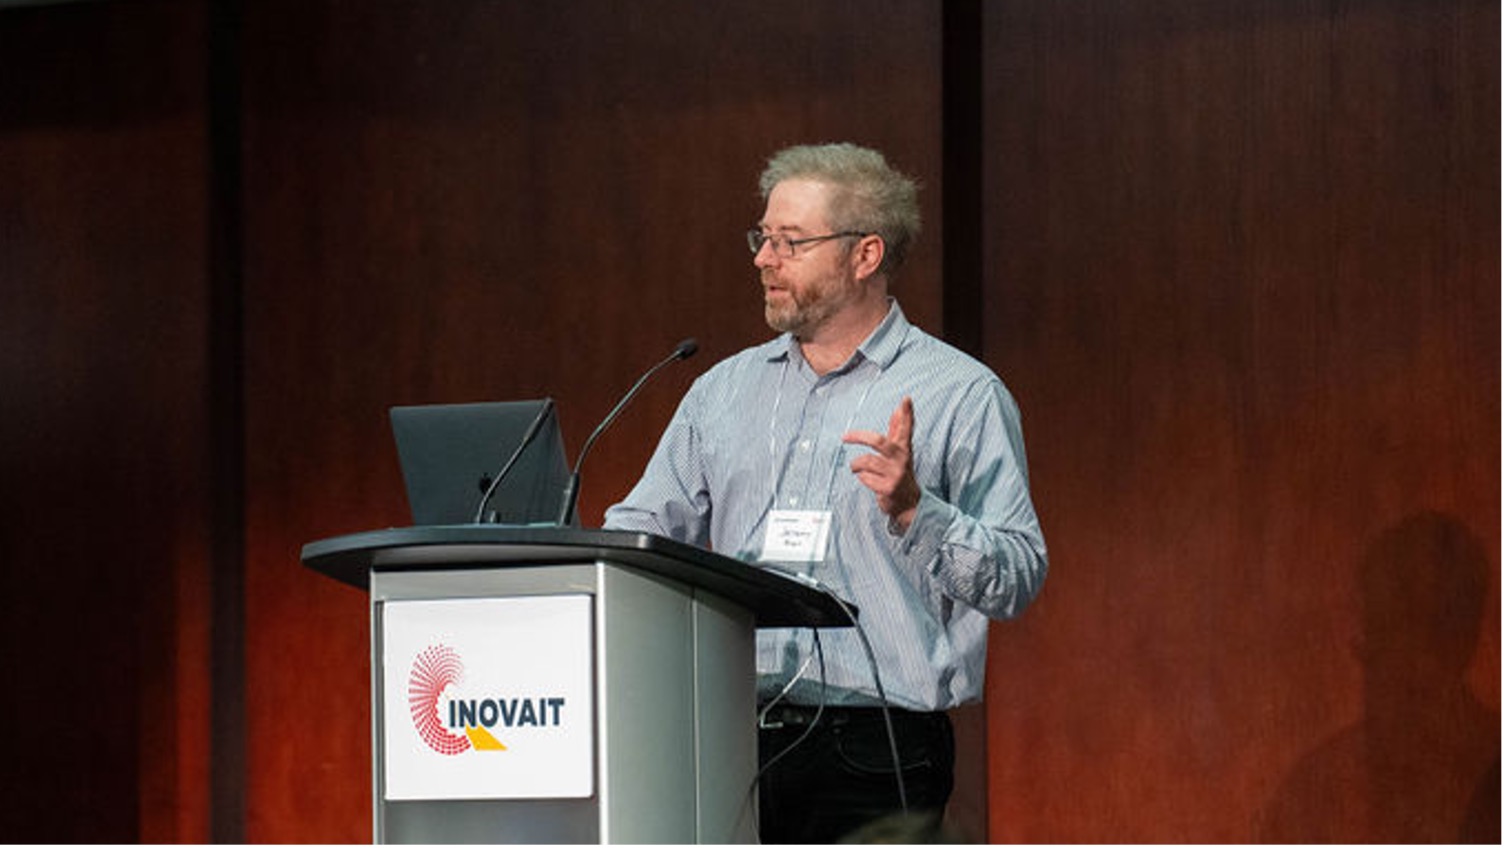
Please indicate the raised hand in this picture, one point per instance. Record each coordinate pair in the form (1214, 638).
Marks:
(889, 471)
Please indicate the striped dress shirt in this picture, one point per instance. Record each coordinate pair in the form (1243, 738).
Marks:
(762, 431)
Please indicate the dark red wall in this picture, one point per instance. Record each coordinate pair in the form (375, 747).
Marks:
(1239, 261)
(104, 437)
(500, 201)
(1246, 264)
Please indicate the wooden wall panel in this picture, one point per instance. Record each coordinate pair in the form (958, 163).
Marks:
(1246, 285)
(483, 200)
(1243, 275)
(103, 439)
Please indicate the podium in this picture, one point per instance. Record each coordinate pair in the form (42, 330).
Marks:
(539, 684)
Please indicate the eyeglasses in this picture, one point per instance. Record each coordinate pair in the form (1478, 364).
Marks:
(784, 246)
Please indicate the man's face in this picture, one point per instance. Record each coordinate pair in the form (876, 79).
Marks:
(801, 293)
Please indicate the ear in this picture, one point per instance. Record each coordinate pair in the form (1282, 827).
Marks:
(867, 256)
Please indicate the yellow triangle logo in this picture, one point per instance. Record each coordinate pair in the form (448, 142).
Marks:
(482, 739)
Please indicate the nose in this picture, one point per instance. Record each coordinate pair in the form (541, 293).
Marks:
(766, 256)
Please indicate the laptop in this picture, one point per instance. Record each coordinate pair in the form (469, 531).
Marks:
(451, 453)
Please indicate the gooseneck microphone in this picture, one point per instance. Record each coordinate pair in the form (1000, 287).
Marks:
(533, 430)
(686, 348)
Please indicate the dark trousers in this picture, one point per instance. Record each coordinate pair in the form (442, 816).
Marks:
(840, 779)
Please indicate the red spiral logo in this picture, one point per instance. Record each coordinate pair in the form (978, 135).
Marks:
(433, 670)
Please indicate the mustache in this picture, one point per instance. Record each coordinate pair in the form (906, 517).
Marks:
(769, 278)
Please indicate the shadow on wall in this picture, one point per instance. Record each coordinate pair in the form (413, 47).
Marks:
(1424, 763)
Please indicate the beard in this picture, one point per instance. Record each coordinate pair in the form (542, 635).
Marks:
(802, 310)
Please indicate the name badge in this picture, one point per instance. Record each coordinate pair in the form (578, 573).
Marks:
(796, 536)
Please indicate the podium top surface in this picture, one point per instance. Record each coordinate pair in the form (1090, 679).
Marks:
(774, 599)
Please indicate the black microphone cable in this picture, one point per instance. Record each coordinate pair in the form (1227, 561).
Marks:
(820, 707)
(809, 728)
(878, 684)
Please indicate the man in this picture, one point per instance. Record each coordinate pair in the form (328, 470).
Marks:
(862, 452)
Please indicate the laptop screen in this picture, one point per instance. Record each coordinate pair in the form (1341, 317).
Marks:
(450, 454)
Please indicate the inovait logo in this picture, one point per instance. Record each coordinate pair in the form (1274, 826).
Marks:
(439, 668)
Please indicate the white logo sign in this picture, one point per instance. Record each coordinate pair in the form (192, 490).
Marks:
(488, 698)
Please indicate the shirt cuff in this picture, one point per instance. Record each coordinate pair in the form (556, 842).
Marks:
(927, 530)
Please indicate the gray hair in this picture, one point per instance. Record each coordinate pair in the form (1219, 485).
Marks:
(870, 196)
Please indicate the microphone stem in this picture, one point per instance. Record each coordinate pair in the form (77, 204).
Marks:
(533, 430)
(567, 507)
(572, 489)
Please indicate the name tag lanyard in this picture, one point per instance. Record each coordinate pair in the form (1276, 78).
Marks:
(801, 536)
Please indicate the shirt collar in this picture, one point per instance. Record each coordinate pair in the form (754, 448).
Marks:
(881, 346)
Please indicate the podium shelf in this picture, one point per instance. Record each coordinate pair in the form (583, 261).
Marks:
(774, 598)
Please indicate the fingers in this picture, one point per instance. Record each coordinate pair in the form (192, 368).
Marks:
(871, 439)
(902, 422)
(897, 441)
(888, 471)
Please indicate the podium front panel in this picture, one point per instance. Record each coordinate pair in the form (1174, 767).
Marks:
(497, 693)
(671, 689)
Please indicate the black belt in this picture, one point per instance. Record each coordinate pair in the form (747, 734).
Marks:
(785, 716)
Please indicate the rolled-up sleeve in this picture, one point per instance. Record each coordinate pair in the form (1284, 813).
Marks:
(984, 547)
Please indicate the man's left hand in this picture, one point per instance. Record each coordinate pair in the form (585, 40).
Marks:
(889, 471)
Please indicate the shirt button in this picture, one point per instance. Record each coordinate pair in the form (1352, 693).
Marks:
(805, 445)
(794, 500)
